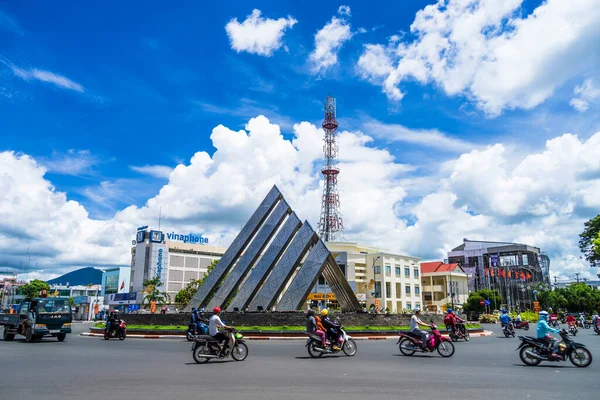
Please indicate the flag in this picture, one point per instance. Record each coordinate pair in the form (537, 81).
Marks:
(504, 273)
(491, 271)
(122, 285)
(528, 275)
(522, 276)
(486, 271)
(509, 273)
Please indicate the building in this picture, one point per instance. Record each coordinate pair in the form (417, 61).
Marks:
(511, 268)
(594, 284)
(85, 297)
(380, 279)
(442, 285)
(176, 259)
(9, 291)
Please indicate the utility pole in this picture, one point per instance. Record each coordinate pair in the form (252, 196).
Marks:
(577, 275)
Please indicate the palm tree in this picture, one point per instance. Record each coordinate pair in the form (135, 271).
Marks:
(153, 294)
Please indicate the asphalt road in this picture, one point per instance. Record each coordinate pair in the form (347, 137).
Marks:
(91, 368)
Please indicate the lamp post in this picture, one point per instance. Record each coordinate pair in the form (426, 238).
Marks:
(375, 276)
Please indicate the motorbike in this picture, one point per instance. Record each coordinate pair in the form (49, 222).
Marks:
(193, 330)
(315, 347)
(573, 329)
(584, 324)
(533, 351)
(508, 330)
(597, 328)
(458, 333)
(410, 343)
(119, 332)
(553, 322)
(206, 348)
(521, 325)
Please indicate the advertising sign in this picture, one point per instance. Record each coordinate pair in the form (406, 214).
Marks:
(361, 296)
(536, 306)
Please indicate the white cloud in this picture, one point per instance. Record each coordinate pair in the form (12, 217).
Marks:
(425, 137)
(584, 94)
(487, 51)
(328, 42)
(362, 30)
(258, 35)
(541, 199)
(48, 77)
(8, 23)
(344, 10)
(157, 171)
(73, 162)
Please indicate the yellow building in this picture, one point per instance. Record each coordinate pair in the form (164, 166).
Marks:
(443, 285)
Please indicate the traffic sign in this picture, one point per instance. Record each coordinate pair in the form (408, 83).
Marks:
(487, 302)
(482, 302)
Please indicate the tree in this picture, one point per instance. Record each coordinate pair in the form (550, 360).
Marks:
(209, 269)
(474, 301)
(33, 288)
(589, 240)
(153, 294)
(184, 296)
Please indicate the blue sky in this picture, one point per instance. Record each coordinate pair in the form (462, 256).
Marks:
(90, 90)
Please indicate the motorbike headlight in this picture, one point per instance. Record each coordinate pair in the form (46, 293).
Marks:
(40, 326)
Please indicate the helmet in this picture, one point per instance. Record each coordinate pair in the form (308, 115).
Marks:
(449, 311)
(543, 314)
(194, 309)
(217, 310)
(324, 312)
(503, 311)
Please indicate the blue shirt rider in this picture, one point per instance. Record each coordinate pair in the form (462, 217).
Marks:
(505, 318)
(543, 330)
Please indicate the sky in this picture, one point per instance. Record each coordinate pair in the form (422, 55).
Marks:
(457, 119)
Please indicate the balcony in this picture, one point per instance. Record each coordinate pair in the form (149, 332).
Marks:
(434, 288)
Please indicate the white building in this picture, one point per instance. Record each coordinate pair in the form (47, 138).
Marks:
(85, 297)
(175, 261)
(379, 278)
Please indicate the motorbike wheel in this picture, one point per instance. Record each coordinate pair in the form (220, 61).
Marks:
(189, 336)
(312, 349)
(467, 336)
(513, 333)
(580, 357)
(528, 360)
(106, 336)
(199, 352)
(526, 327)
(407, 347)
(446, 349)
(349, 347)
(506, 334)
(587, 325)
(240, 352)
(122, 336)
(454, 337)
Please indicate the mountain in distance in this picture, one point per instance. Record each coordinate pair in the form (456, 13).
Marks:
(83, 276)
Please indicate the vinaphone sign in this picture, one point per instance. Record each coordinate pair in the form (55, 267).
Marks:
(188, 238)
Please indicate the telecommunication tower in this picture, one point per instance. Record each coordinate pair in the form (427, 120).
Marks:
(331, 225)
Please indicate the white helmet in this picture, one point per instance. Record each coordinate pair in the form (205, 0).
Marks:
(544, 314)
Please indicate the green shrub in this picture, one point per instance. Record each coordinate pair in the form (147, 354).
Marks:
(528, 316)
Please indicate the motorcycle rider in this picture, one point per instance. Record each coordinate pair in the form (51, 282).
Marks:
(450, 321)
(571, 320)
(331, 328)
(518, 320)
(505, 319)
(194, 320)
(214, 326)
(311, 326)
(542, 333)
(582, 319)
(459, 323)
(415, 322)
(111, 322)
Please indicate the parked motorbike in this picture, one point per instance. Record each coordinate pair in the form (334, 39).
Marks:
(521, 325)
(316, 349)
(193, 331)
(573, 329)
(410, 343)
(206, 348)
(508, 330)
(119, 332)
(460, 332)
(533, 351)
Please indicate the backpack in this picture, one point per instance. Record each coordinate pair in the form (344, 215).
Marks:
(448, 319)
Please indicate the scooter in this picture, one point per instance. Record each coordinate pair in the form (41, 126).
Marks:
(206, 348)
(521, 325)
(533, 351)
(508, 330)
(410, 343)
(458, 333)
(573, 329)
(316, 349)
(119, 332)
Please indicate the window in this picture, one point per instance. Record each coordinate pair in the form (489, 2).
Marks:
(525, 259)
(407, 272)
(407, 289)
(377, 269)
(418, 306)
(417, 290)
(377, 289)
(398, 290)
(321, 280)
(388, 289)
(416, 273)
(397, 271)
(409, 306)
(388, 270)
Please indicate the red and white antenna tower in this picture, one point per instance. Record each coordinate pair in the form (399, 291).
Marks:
(331, 225)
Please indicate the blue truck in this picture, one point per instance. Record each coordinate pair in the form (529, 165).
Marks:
(39, 317)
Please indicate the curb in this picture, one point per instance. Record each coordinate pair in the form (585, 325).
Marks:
(180, 337)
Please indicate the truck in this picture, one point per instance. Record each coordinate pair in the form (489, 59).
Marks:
(39, 317)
